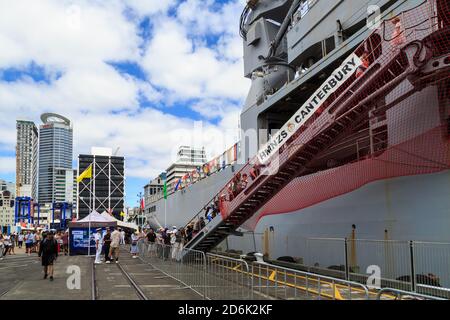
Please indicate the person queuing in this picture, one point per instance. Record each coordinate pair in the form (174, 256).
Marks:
(98, 246)
(122, 236)
(107, 245)
(65, 243)
(134, 250)
(151, 239)
(166, 242)
(48, 252)
(178, 243)
(115, 244)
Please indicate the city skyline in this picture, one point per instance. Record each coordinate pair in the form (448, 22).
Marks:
(119, 96)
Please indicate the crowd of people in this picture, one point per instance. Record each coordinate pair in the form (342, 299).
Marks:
(164, 243)
(47, 244)
(168, 244)
(108, 244)
(31, 240)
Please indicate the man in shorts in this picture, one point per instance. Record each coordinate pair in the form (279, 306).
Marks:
(29, 242)
(115, 245)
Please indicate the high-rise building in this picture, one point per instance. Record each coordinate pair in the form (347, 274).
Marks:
(55, 159)
(6, 210)
(9, 186)
(26, 159)
(106, 190)
(188, 159)
(65, 185)
(7, 196)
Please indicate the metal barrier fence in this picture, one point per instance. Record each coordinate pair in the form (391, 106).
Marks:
(432, 259)
(219, 277)
(227, 278)
(421, 267)
(403, 295)
(211, 276)
(277, 282)
(185, 265)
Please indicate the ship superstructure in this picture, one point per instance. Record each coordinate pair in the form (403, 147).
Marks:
(346, 133)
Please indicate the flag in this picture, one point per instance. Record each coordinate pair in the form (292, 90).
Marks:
(87, 174)
(142, 205)
(165, 189)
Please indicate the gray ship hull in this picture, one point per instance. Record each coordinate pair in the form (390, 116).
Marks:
(387, 209)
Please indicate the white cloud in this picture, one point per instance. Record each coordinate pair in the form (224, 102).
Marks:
(191, 71)
(149, 7)
(61, 35)
(76, 42)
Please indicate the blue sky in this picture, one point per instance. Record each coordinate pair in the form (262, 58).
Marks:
(145, 76)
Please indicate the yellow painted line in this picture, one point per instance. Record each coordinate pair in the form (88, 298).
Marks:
(272, 276)
(321, 294)
(338, 295)
(354, 289)
(237, 267)
(272, 279)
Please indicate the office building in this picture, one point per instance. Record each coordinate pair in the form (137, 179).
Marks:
(55, 159)
(7, 196)
(106, 190)
(26, 159)
(188, 159)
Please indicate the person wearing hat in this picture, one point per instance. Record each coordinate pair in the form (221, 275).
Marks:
(98, 246)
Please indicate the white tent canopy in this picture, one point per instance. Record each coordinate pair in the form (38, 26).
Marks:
(94, 216)
(123, 224)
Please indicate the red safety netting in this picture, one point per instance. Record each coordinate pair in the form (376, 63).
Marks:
(426, 153)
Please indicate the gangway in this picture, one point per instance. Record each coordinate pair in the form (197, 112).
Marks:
(419, 55)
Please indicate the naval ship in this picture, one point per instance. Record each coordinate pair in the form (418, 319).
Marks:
(345, 142)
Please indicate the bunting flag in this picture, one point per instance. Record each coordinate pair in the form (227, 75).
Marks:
(219, 163)
(232, 155)
(177, 186)
(206, 168)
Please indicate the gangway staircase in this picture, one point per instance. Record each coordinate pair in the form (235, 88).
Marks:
(347, 111)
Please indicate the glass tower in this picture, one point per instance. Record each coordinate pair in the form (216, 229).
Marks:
(55, 156)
